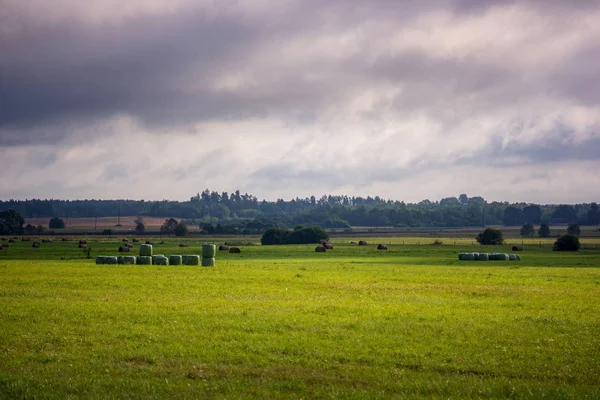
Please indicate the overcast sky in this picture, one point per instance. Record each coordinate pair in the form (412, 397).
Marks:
(408, 100)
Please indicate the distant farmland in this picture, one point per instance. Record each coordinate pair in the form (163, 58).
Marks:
(127, 222)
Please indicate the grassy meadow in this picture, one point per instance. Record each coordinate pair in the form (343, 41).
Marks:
(286, 322)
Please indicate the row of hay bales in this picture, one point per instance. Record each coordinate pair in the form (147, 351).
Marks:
(488, 257)
(147, 258)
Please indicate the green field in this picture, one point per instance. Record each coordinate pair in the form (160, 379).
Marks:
(286, 322)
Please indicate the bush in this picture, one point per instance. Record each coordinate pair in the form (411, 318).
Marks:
(140, 228)
(574, 229)
(56, 223)
(308, 235)
(490, 237)
(566, 243)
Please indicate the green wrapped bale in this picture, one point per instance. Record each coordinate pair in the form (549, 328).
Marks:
(190, 259)
(156, 256)
(502, 257)
(174, 260)
(110, 260)
(208, 262)
(475, 256)
(483, 257)
(100, 260)
(120, 260)
(161, 260)
(129, 260)
(514, 257)
(518, 257)
(469, 257)
(461, 256)
(144, 260)
(146, 250)
(209, 251)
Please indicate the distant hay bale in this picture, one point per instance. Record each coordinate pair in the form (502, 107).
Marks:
(223, 248)
(110, 260)
(517, 248)
(4, 245)
(46, 241)
(381, 247)
(146, 250)
(3, 239)
(125, 240)
(328, 246)
(175, 260)
(129, 260)
(83, 246)
(161, 260)
(208, 261)
(235, 250)
(135, 241)
(362, 242)
(183, 245)
(514, 257)
(36, 245)
(120, 260)
(64, 240)
(469, 257)
(518, 257)
(461, 256)
(129, 245)
(483, 257)
(25, 239)
(100, 260)
(320, 249)
(11, 240)
(209, 250)
(143, 260)
(189, 259)
(352, 242)
(322, 242)
(124, 249)
(475, 256)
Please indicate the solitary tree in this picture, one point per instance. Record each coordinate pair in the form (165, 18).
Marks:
(527, 230)
(490, 236)
(566, 243)
(56, 223)
(140, 228)
(181, 229)
(544, 231)
(169, 226)
(11, 222)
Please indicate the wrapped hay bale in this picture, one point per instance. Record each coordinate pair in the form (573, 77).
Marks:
(110, 260)
(517, 248)
(475, 256)
(161, 260)
(119, 259)
(235, 250)
(461, 256)
(381, 247)
(328, 246)
(146, 250)
(501, 257)
(11, 240)
(125, 240)
(36, 245)
(155, 256)
(135, 240)
(518, 257)
(208, 262)
(183, 245)
(469, 257)
(362, 242)
(513, 257)
(189, 259)
(130, 245)
(174, 260)
(100, 260)
(209, 250)
(320, 249)
(129, 260)
(223, 248)
(483, 257)
(123, 249)
(492, 256)
(143, 260)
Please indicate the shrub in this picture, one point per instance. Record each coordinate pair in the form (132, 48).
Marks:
(490, 236)
(181, 229)
(567, 243)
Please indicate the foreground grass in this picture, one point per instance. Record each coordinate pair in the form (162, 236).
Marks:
(282, 322)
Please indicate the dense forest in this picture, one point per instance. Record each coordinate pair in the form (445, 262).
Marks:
(244, 212)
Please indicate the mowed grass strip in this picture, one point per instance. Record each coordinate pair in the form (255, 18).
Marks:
(291, 324)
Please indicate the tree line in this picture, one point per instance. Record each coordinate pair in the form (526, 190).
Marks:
(236, 212)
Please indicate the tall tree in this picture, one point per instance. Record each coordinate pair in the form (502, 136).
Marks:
(11, 222)
(532, 214)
